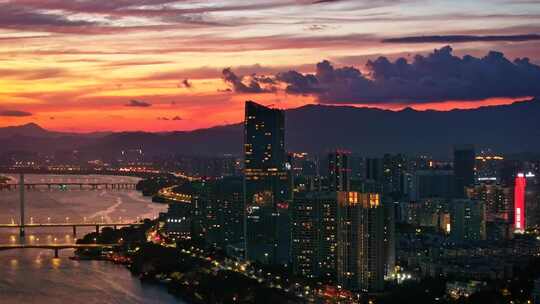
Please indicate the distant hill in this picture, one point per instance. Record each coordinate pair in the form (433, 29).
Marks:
(31, 130)
(511, 128)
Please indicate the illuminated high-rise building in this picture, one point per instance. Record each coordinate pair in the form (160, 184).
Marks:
(464, 161)
(498, 199)
(266, 185)
(394, 177)
(532, 201)
(488, 166)
(314, 235)
(361, 254)
(519, 202)
(339, 171)
(343, 237)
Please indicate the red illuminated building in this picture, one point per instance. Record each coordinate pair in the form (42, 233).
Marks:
(519, 202)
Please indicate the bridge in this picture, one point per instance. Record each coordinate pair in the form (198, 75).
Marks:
(69, 185)
(55, 247)
(72, 225)
(22, 186)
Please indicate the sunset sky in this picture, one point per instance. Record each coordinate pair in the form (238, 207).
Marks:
(162, 65)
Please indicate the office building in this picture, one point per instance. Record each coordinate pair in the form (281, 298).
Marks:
(339, 171)
(391, 210)
(532, 203)
(394, 179)
(266, 182)
(464, 161)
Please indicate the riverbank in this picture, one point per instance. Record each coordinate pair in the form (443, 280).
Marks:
(192, 274)
(203, 274)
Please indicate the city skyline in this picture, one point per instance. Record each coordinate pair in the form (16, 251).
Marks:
(273, 226)
(81, 67)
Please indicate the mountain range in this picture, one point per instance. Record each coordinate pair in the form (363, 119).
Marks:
(513, 128)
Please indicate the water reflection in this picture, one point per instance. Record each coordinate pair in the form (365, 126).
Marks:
(35, 276)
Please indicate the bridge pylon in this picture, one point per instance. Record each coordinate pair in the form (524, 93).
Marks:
(21, 198)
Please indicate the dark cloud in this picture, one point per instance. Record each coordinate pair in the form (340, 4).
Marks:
(438, 76)
(13, 15)
(252, 84)
(298, 83)
(211, 72)
(162, 118)
(39, 13)
(462, 38)
(15, 113)
(138, 103)
(176, 118)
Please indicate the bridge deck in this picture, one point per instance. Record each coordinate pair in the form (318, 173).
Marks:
(54, 246)
(15, 226)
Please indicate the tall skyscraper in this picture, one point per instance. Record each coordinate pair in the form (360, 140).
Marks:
(464, 160)
(361, 254)
(519, 203)
(339, 171)
(314, 235)
(390, 210)
(266, 185)
(394, 176)
(532, 202)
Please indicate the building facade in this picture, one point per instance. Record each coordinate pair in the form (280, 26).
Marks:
(464, 162)
(360, 258)
(266, 185)
(339, 171)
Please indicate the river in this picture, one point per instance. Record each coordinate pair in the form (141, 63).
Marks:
(34, 276)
